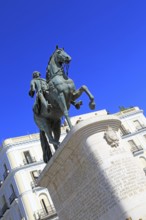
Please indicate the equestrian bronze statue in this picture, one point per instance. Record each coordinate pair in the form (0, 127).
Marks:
(54, 95)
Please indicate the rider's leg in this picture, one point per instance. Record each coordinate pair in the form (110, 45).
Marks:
(43, 100)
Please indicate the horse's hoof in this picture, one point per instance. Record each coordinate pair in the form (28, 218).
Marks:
(78, 104)
(92, 105)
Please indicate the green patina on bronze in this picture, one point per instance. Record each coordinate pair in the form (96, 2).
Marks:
(54, 95)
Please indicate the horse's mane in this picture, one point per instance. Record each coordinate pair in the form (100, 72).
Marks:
(47, 68)
(57, 48)
(50, 58)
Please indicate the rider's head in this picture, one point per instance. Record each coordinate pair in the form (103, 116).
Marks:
(36, 74)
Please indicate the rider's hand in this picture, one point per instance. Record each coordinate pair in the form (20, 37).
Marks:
(31, 93)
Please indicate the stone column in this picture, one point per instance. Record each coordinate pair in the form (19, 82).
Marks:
(94, 176)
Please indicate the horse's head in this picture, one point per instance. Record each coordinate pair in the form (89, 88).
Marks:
(61, 57)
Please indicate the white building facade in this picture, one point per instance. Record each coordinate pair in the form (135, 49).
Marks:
(133, 130)
(21, 163)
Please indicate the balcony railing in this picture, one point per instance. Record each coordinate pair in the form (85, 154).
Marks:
(33, 184)
(47, 213)
(140, 127)
(125, 132)
(136, 150)
(4, 209)
(6, 173)
(12, 197)
(31, 160)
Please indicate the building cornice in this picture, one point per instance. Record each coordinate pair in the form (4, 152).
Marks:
(7, 147)
(19, 143)
(122, 115)
(17, 169)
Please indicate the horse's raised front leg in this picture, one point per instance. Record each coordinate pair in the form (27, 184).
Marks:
(77, 93)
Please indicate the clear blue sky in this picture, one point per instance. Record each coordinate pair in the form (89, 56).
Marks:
(105, 38)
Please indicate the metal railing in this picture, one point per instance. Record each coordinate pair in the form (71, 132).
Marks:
(136, 149)
(33, 184)
(125, 132)
(140, 127)
(31, 160)
(12, 197)
(46, 213)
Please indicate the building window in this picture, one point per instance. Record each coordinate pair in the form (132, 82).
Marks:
(28, 158)
(124, 131)
(47, 207)
(46, 212)
(44, 206)
(134, 148)
(34, 175)
(138, 125)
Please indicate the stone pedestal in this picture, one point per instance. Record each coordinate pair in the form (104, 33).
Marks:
(94, 176)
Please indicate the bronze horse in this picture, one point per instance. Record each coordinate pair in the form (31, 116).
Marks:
(53, 99)
(61, 87)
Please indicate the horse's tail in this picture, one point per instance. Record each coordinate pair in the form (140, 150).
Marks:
(47, 154)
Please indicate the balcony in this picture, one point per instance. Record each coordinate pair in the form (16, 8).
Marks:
(45, 214)
(29, 161)
(125, 132)
(140, 127)
(136, 150)
(6, 173)
(33, 184)
(4, 209)
(12, 197)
